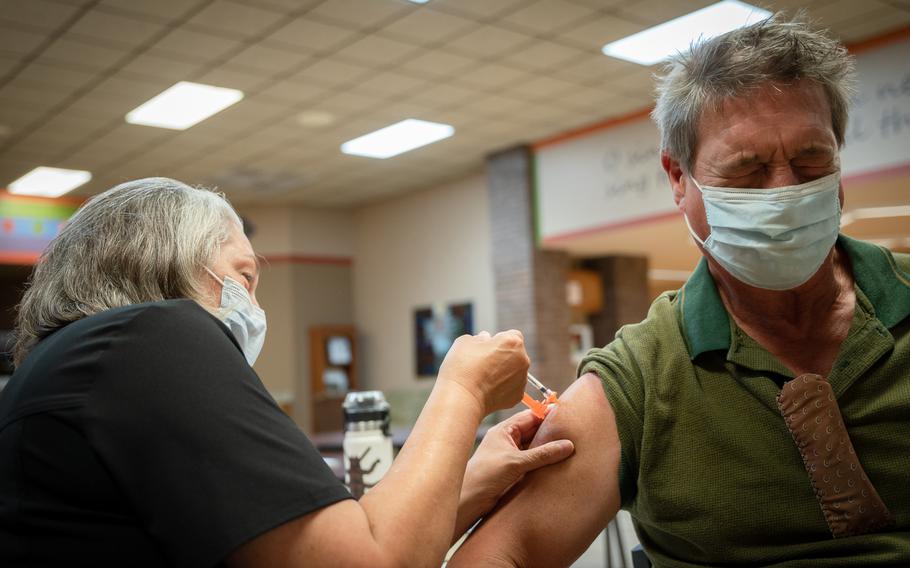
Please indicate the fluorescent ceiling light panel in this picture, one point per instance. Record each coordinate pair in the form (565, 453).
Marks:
(418, 1)
(660, 42)
(183, 105)
(397, 139)
(49, 182)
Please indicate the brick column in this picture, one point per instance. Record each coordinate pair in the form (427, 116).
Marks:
(530, 283)
(626, 295)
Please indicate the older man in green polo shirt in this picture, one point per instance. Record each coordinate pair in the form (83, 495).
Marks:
(761, 414)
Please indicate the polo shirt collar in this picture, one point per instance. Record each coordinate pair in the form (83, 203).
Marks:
(707, 327)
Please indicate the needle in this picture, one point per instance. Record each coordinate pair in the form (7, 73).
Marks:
(539, 408)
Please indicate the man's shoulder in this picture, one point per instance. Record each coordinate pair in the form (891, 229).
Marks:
(661, 325)
(902, 260)
(640, 347)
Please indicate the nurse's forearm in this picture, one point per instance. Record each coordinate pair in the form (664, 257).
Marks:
(412, 510)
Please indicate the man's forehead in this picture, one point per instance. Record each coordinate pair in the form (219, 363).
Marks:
(796, 115)
(800, 97)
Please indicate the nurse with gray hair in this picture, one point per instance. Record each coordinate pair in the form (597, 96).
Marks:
(135, 432)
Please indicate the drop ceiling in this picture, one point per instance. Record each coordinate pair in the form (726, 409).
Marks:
(502, 72)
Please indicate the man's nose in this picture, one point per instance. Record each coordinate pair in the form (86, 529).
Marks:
(782, 176)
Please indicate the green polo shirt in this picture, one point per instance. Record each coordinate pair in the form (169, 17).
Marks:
(709, 471)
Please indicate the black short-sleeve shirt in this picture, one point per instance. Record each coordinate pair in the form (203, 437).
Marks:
(141, 437)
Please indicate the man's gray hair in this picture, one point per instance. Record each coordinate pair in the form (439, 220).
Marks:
(140, 241)
(775, 50)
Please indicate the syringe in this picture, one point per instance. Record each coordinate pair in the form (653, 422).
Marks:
(539, 407)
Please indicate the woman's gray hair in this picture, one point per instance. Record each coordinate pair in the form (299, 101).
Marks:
(775, 50)
(140, 241)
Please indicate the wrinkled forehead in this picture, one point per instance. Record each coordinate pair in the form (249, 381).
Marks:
(784, 112)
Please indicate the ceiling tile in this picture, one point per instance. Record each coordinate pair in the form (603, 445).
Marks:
(114, 97)
(346, 103)
(111, 148)
(37, 96)
(491, 76)
(51, 76)
(594, 69)
(292, 92)
(378, 50)
(599, 4)
(392, 112)
(438, 63)
(332, 72)
(155, 67)
(268, 60)
(82, 55)
(389, 83)
(69, 126)
(112, 29)
(483, 9)
(653, 12)
(287, 6)
(428, 26)
(543, 55)
(15, 115)
(545, 16)
(235, 19)
(16, 41)
(37, 14)
(190, 45)
(791, 6)
(490, 41)
(248, 114)
(156, 159)
(443, 95)
(620, 105)
(164, 10)
(842, 11)
(874, 24)
(584, 98)
(8, 62)
(539, 88)
(593, 34)
(234, 79)
(491, 105)
(52, 142)
(312, 35)
(637, 83)
(360, 14)
(12, 169)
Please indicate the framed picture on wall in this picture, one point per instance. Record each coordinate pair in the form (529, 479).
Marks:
(435, 329)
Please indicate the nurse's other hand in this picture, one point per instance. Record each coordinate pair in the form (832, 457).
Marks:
(493, 369)
(501, 461)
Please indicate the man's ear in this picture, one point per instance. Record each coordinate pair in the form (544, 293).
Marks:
(676, 177)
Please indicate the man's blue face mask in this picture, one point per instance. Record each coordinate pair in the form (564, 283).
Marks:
(776, 238)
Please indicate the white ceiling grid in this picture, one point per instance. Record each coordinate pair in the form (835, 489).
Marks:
(501, 71)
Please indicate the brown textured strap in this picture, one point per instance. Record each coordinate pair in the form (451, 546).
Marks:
(850, 503)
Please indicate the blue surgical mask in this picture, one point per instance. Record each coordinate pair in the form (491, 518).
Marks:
(776, 238)
(245, 320)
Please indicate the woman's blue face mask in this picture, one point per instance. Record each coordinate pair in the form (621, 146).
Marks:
(245, 320)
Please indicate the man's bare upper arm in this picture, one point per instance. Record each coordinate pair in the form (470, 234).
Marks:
(554, 513)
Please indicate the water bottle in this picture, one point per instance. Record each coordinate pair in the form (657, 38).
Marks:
(367, 442)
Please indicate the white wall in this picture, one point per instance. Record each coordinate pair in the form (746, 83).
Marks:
(423, 248)
(297, 290)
